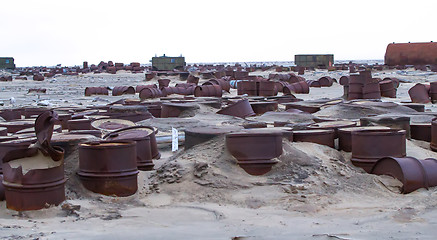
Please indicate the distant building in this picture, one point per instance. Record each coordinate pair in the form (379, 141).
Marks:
(7, 63)
(165, 63)
(314, 60)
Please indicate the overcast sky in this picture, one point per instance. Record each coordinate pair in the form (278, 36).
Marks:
(70, 32)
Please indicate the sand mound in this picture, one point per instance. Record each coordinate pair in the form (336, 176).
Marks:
(306, 173)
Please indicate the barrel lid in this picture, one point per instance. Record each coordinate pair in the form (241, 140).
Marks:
(130, 133)
(111, 124)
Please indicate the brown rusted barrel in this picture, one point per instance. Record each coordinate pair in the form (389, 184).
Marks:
(149, 76)
(262, 107)
(121, 90)
(326, 81)
(345, 136)
(419, 93)
(247, 87)
(15, 126)
(176, 109)
(79, 124)
(225, 85)
(141, 87)
(370, 145)
(411, 54)
(371, 91)
(433, 144)
(208, 91)
(144, 148)
(335, 125)
(147, 93)
(344, 80)
(421, 131)
(177, 90)
(240, 109)
(267, 88)
(35, 188)
(109, 168)
(96, 91)
(433, 91)
(255, 149)
(193, 79)
(163, 83)
(413, 173)
(387, 88)
(314, 83)
(323, 137)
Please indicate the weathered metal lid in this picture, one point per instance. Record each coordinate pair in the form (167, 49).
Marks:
(130, 134)
(111, 124)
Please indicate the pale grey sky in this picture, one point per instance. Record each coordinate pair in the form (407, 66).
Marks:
(69, 32)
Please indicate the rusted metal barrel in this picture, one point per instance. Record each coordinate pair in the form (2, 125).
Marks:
(79, 124)
(314, 83)
(150, 76)
(208, 91)
(141, 87)
(163, 83)
(395, 122)
(35, 188)
(240, 109)
(96, 91)
(147, 93)
(13, 144)
(109, 168)
(433, 144)
(411, 54)
(413, 173)
(433, 91)
(298, 87)
(335, 125)
(419, 93)
(254, 150)
(177, 90)
(344, 80)
(267, 88)
(225, 85)
(15, 126)
(326, 81)
(122, 90)
(11, 114)
(387, 88)
(34, 177)
(193, 79)
(324, 137)
(144, 148)
(262, 107)
(370, 145)
(345, 136)
(421, 131)
(176, 109)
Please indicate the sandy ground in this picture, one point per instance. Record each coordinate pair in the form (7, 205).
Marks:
(312, 193)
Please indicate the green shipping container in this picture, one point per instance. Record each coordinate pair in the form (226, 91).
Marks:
(7, 63)
(165, 63)
(314, 60)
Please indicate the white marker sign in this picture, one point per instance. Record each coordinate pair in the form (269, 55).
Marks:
(174, 140)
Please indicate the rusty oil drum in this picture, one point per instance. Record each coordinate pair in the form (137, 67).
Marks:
(370, 145)
(141, 135)
(255, 149)
(109, 168)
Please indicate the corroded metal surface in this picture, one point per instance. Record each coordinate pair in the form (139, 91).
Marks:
(323, 137)
(254, 150)
(370, 145)
(413, 173)
(35, 188)
(109, 168)
(240, 108)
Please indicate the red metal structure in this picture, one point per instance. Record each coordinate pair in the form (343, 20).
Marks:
(411, 53)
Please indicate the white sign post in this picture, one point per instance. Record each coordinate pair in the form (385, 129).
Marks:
(174, 140)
